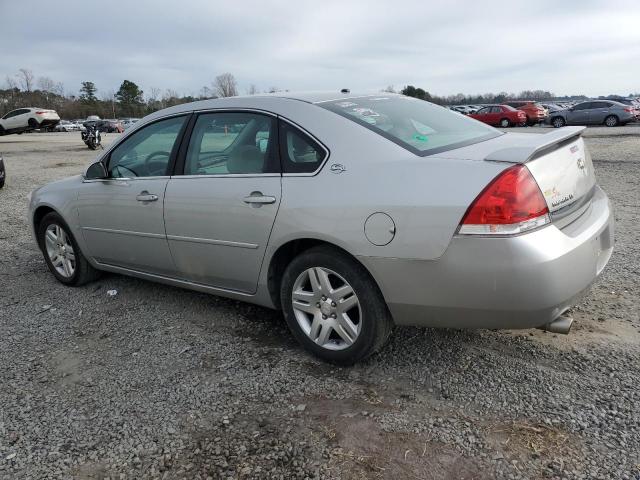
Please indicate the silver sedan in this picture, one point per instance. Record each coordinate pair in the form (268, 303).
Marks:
(350, 213)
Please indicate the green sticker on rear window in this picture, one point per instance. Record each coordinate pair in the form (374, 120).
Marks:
(420, 138)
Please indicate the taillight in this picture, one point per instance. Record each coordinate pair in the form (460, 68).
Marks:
(42, 112)
(512, 203)
(628, 110)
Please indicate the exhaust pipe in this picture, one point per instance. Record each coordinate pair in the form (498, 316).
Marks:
(561, 325)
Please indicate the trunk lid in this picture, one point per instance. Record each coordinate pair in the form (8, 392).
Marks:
(561, 165)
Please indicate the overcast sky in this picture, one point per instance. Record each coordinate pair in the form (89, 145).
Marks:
(568, 47)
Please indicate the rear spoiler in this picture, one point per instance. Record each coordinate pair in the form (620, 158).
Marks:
(537, 146)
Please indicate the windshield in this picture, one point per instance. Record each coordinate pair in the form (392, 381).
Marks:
(419, 126)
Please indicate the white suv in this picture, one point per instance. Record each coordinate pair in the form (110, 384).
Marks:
(23, 119)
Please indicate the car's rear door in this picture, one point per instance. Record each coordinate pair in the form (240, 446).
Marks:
(121, 217)
(598, 112)
(221, 204)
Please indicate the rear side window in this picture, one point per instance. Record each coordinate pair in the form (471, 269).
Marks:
(418, 126)
(299, 152)
(232, 143)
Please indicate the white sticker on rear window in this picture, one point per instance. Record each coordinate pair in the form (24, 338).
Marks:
(346, 104)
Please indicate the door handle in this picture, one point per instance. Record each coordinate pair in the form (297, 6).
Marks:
(145, 196)
(257, 198)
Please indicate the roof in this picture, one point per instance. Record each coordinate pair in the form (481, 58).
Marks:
(265, 101)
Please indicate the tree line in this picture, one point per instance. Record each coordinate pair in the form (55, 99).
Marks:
(25, 90)
(501, 97)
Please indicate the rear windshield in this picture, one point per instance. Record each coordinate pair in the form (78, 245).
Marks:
(420, 127)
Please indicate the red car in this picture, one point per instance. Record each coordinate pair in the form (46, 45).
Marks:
(500, 115)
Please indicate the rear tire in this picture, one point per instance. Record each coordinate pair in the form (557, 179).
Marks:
(62, 254)
(33, 124)
(364, 319)
(558, 122)
(612, 121)
(504, 123)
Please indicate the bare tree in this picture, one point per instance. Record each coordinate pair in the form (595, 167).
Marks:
(252, 90)
(11, 83)
(273, 90)
(25, 77)
(205, 92)
(225, 85)
(389, 89)
(46, 84)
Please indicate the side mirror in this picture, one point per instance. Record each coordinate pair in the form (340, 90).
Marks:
(96, 171)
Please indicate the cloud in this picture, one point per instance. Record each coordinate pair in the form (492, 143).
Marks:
(589, 47)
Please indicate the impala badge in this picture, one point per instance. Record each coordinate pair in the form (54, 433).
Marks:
(580, 164)
(338, 168)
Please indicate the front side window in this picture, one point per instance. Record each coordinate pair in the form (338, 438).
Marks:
(147, 152)
(484, 111)
(299, 152)
(417, 125)
(226, 143)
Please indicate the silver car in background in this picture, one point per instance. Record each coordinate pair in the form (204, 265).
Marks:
(350, 213)
(596, 112)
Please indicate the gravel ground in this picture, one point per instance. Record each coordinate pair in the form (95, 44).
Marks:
(159, 382)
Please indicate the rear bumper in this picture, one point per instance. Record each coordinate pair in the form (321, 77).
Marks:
(512, 282)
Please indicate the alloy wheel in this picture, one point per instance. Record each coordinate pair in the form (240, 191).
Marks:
(326, 308)
(60, 250)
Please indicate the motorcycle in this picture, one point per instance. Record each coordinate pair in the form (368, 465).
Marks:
(2, 171)
(91, 136)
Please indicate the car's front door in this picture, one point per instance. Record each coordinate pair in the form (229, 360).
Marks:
(15, 119)
(579, 115)
(121, 217)
(220, 211)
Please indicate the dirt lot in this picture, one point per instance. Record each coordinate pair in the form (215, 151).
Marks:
(159, 382)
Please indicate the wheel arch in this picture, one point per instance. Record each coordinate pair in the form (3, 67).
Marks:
(289, 250)
(38, 214)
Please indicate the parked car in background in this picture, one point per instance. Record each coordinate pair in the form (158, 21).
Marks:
(128, 122)
(111, 126)
(433, 219)
(500, 115)
(67, 126)
(552, 107)
(534, 111)
(597, 112)
(25, 119)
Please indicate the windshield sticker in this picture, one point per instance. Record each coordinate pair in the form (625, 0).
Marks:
(379, 98)
(366, 112)
(420, 138)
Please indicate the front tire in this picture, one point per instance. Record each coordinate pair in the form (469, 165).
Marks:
(611, 121)
(62, 254)
(558, 122)
(333, 307)
(33, 124)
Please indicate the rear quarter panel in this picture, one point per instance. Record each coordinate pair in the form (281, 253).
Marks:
(425, 196)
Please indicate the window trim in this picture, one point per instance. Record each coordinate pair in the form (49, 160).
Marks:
(327, 152)
(178, 171)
